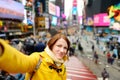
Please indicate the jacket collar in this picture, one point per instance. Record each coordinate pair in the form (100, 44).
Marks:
(50, 57)
(51, 54)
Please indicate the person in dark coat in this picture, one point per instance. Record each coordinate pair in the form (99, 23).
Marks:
(80, 48)
(71, 51)
(29, 44)
(4, 75)
(39, 47)
(96, 57)
(104, 74)
(113, 57)
(93, 47)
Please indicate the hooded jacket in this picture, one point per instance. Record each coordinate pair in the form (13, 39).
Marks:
(13, 61)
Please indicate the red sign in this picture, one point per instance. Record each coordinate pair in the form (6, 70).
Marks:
(75, 3)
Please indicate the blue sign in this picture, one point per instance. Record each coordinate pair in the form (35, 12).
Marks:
(74, 10)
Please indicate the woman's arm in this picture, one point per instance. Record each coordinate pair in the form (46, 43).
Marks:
(1, 50)
(14, 61)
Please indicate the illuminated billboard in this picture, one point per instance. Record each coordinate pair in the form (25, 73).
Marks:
(114, 15)
(52, 8)
(54, 20)
(101, 19)
(57, 11)
(11, 9)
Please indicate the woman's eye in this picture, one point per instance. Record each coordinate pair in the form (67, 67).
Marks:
(58, 45)
(61, 46)
(65, 48)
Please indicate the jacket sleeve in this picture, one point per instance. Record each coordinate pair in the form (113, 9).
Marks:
(14, 61)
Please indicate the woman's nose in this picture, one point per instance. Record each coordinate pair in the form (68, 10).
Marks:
(62, 49)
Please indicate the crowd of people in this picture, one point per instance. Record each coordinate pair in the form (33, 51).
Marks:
(29, 44)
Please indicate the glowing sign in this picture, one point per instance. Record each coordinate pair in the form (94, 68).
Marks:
(101, 20)
(11, 9)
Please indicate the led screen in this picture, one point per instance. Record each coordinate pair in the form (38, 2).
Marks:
(54, 21)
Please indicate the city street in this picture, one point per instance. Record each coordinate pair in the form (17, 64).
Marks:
(87, 59)
(91, 39)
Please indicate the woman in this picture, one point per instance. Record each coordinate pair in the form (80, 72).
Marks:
(51, 67)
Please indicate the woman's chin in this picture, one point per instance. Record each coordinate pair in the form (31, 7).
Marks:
(59, 57)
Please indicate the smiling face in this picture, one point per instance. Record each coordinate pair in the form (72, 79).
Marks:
(60, 48)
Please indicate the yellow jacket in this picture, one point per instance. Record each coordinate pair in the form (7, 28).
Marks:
(13, 61)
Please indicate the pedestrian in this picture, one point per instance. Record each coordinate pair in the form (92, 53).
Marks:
(108, 57)
(93, 47)
(39, 47)
(46, 65)
(29, 44)
(4, 75)
(97, 41)
(113, 57)
(104, 74)
(104, 49)
(115, 51)
(80, 48)
(96, 57)
(71, 51)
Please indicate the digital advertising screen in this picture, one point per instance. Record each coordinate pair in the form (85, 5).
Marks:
(54, 20)
(114, 15)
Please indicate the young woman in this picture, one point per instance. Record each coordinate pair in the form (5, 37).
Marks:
(52, 58)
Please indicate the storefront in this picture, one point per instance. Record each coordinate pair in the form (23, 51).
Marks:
(11, 17)
(101, 24)
(88, 25)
